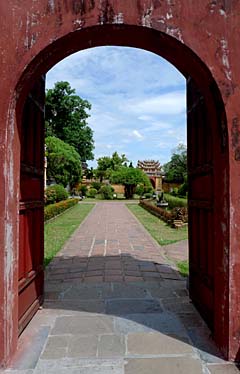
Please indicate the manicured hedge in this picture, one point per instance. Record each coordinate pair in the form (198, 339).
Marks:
(175, 202)
(165, 215)
(53, 210)
(157, 211)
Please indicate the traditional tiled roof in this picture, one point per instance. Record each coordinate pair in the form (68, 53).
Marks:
(150, 166)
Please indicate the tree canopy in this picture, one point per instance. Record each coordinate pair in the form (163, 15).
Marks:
(108, 164)
(176, 169)
(66, 118)
(63, 162)
(130, 177)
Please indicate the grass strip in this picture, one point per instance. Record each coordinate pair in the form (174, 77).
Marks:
(183, 267)
(158, 229)
(57, 231)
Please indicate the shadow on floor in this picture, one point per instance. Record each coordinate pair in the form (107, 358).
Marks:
(141, 296)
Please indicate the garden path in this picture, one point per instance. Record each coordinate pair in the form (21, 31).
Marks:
(115, 305)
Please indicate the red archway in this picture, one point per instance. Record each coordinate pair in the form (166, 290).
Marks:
(57, 31)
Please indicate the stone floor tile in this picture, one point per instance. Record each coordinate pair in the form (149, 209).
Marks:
(82, 346)
(30, 347)
(163, 322)
(93, 279)
(89, 306)
(153, 313)
(156, 343)
(173, 365)
(56, 347)
(223, 369)
(118, 307)
(113, 278)
(111, 346)
(202, 340)
(80, 366)
(84, 325)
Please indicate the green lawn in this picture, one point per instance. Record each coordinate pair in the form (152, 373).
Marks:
(159, 230)
(57, 231)
(183, 267)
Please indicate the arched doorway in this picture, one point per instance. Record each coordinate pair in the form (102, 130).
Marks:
(207, 152)
(207, 142)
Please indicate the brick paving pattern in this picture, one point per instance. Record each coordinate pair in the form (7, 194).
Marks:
(115, 305)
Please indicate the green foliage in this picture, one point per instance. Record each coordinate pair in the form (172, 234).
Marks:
(148, 195)
(174, 202)
(130, 177)
(83, 189)
(183, 189)
(166, 215)
(176, 169)
(139, 190)
(55, 193)
(160, 231)
(107, 192)
(64, 164)
(89, 173)
(183, 267)
(53, 210)
(50, 196)
(92, 192)
(108, 164)
(96, 185)
(66, 118)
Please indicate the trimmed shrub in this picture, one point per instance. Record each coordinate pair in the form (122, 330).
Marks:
(107, 192)
(96, 185)
(175, 202)
(139, 190)
(92, 192)
(53, 210)
(50, 196)
(83, 190)
(55, 193)
(148, 195)
(159, 212)
(183, 189)
(165, 215)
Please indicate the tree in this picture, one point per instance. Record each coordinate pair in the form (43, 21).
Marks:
(63, 162)
(108, 164)
(66, 118)
(130, 177)
(176, 169)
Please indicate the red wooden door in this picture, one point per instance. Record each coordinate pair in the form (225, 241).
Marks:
(31, 206)
(201, 204)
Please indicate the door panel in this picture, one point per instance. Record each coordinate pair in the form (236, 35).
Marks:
(201, 204)
(31, 206)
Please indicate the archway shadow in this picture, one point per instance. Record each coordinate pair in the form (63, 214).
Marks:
(140, 296)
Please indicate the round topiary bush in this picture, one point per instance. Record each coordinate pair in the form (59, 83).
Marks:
(55, 193)
(107, 192)
(92, 192)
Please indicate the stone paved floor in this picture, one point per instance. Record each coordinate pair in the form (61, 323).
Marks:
(114, 305)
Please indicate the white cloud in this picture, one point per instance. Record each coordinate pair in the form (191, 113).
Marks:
(146, 118)
(157, 126)
(169, 103)
(137, 135)
(136, 97)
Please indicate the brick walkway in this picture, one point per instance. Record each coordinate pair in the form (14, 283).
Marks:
(113, 305)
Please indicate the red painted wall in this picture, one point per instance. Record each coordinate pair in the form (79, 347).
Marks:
(34, 35)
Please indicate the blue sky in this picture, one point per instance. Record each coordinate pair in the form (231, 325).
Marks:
(138, 100)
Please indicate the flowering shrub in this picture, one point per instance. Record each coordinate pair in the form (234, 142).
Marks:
(55, 193)
(53, 210)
